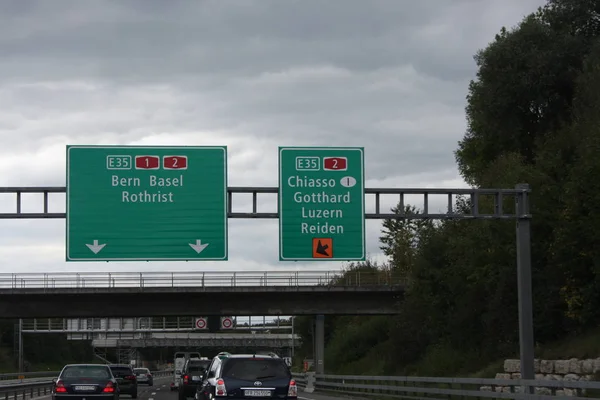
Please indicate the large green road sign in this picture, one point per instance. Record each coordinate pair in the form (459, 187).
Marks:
(321, 204)
(146, 203)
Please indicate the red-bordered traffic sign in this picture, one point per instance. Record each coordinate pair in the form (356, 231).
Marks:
(200, 323)
(227, 323)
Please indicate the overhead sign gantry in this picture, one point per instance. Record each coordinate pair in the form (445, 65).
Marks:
(146, 203)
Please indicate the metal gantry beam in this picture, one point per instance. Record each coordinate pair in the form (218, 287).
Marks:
(478, 209)
(495, 197)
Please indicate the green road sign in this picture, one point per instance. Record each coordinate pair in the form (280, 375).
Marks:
(321, 204)
(146, 203)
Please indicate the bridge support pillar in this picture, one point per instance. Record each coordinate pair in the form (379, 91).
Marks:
(320, 344)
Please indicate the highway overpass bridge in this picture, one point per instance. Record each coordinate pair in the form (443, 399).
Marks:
(146, 294)
(199, 340)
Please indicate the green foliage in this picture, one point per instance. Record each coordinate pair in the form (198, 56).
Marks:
(533, 117)
(400, 238)
(40, 351)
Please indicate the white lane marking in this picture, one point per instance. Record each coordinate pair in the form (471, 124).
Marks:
(153, 393)
(150, 398)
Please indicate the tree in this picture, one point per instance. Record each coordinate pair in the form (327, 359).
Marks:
(523, 92)
(400, 237)
(532, 117)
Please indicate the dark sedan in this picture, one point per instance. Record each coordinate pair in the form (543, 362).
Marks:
(126, 379)
(85, 381)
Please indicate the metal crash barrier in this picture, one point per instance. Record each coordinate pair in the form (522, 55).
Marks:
(447, 388)
(29, 385)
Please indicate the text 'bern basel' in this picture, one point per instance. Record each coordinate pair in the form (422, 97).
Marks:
(147, 194)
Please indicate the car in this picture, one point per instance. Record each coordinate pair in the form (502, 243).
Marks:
(240, 376)
(144, 376)
(77, 381)
(193, 373)
(126, 379)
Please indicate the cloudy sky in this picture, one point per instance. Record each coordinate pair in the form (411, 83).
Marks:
(389, 75)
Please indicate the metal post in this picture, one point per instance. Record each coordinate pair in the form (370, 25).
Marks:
(526, 341)
(293, 343)
(20, 345)
(320, 344)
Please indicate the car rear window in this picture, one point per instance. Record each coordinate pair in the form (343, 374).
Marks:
(198, 366)
(120, 371)
(255, 369)
(86, 371)
(141, 371)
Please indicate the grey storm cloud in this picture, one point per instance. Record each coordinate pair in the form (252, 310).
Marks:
(389, 75)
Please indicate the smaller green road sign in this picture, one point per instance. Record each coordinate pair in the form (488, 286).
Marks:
(321, 204)
(146, 203)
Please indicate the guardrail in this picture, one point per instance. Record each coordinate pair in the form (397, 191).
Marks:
(21, 391)
(18, 377)
(27, 390)
(198, 279)
(430, 387)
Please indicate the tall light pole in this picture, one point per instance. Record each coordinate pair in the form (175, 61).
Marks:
(293, 339)
(20, 345)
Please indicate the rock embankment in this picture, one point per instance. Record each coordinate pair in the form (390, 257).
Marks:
(551, 370)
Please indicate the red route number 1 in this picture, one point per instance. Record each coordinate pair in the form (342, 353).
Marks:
(147, 162)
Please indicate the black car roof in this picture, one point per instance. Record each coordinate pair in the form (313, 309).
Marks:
(251, 356)
(86, 365)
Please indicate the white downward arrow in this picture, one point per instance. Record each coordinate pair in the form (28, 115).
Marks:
(96, 247)
(198, 246)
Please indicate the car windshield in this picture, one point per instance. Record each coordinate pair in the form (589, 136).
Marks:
(86, 371)
(140, 371)
(251, 369)
(120, 371)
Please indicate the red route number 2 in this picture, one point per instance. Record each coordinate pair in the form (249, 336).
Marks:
(175, 162)
(335, 163)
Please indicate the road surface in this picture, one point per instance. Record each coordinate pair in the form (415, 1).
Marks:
(161, 391)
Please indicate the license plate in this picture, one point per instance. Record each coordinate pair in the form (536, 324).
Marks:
(85, 387)
(257, 393)
(195, 378)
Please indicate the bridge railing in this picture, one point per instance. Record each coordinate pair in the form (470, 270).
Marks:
(381, 387)
(198, 279)
(138, 325)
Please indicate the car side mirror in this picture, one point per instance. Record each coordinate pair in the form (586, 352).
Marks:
(54, 380)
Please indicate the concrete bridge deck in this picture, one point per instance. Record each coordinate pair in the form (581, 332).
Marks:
(204, 293)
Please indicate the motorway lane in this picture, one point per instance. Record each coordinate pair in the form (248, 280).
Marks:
(163, 392)
(319, 396)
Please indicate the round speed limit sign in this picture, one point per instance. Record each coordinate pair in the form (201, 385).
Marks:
(227, 323)
(200, 323)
